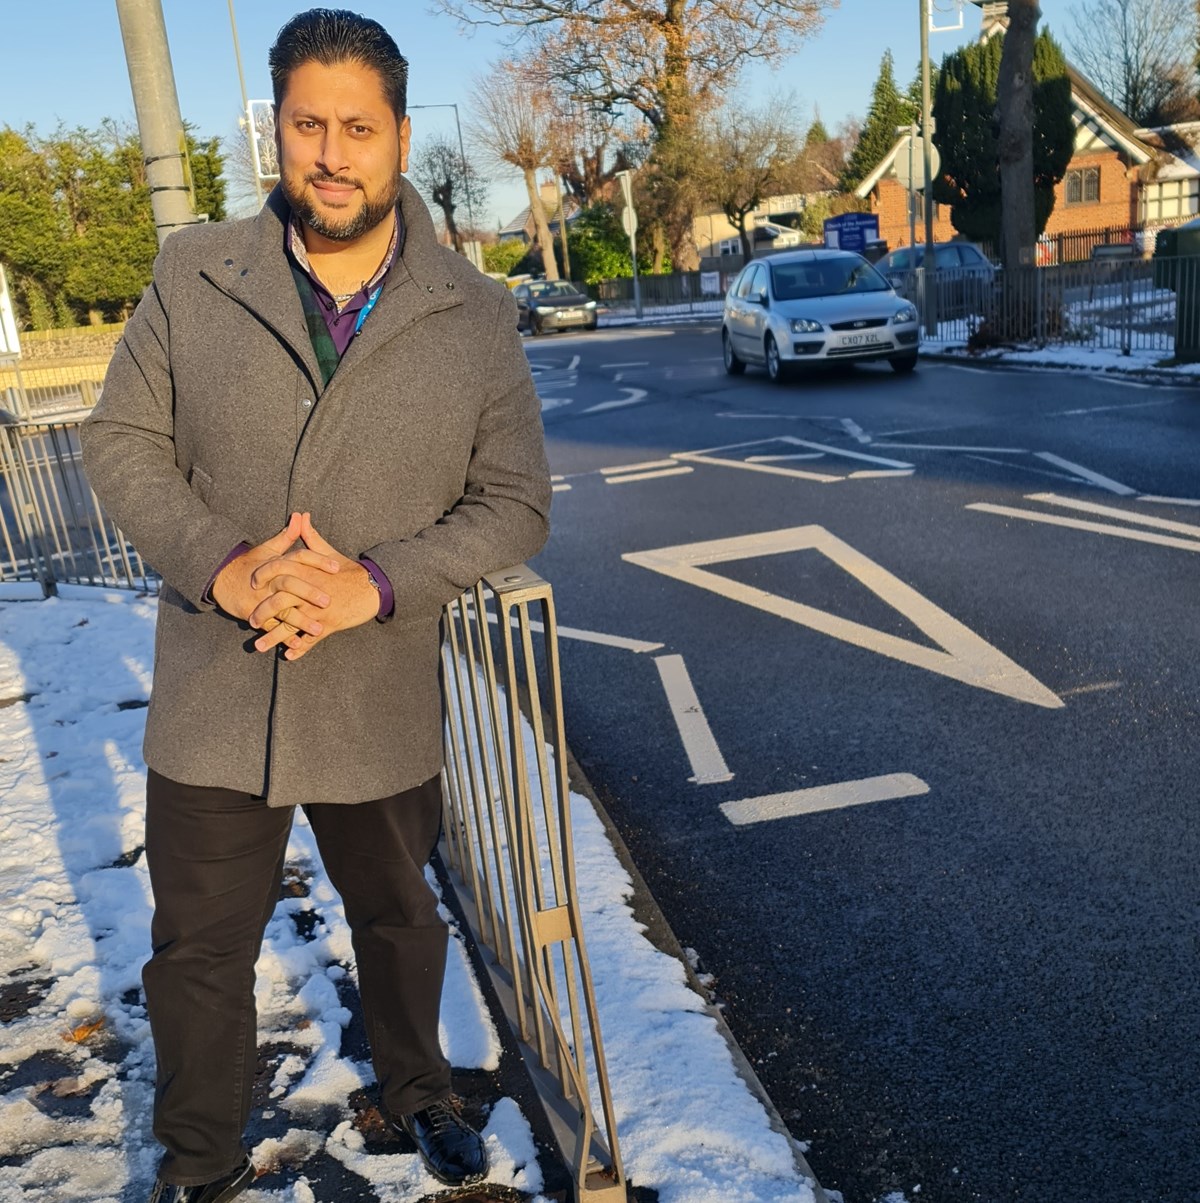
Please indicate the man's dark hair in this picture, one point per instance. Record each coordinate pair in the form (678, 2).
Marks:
(333, 35)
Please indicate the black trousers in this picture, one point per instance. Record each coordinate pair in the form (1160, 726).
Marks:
(216, 859)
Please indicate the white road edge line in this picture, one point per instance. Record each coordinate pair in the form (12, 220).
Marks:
(650, 463)
(1108, 511)
(1099, 528)
(1169, 500)
(1103, 482)
(629, 477)
(708, 765)
(823, 797)
(628, 645)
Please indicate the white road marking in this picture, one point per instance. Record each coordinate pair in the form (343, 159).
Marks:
(1099, 528)
(696, 458)
(871, 459)
(634, 396)
(1169, 500)
(563, 488)
(628, 645)
(855, 431)
(986, 459)
(1098, 687)
(1103, 482)
(626, 479)
(549, 403)
(1108, 511)
(1124, 383)
(1100, 409)
(949, 447)
(823, 797)
(878, 473)
(708, 765)
(771, 459)
(638, 363)
(573, 364)
(961, 654)
(650, 463)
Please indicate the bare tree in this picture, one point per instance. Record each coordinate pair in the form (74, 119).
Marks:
(671, 60)
(590, 146)
(512, 126)
(1137, 52)
(746, 156)
(1014, 113)
(440, 171)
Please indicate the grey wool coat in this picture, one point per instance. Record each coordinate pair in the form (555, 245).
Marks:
(424, 453)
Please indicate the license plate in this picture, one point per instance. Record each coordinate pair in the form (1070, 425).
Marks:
(861, 340)
(569, 315)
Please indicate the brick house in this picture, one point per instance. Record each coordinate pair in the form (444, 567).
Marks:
(1120, 178)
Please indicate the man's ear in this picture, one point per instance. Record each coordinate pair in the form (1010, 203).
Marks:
(405, 137)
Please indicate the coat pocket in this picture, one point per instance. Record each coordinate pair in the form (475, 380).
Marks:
(202, 484)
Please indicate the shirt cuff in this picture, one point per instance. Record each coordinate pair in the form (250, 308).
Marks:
(239, 550)
(387, 597)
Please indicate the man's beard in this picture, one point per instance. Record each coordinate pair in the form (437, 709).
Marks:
(373, 210)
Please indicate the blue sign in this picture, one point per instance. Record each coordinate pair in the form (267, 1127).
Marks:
(852, 231)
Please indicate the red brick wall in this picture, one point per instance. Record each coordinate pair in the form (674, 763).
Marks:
(1118, 203)
(890, 201)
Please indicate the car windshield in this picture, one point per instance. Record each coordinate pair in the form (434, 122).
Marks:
(551, 289)
(829, 277)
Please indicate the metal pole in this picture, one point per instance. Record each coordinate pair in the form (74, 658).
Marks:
(462, 152)
(562, 225)
(931, 293)
(157, 105)
(247, 115)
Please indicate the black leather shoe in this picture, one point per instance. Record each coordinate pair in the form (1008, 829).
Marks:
(220, 1190)
(452, 1151)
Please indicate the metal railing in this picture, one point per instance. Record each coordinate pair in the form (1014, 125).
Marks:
(1121, 304)
(52, 528)
(508, 840)
(681, 292)
(508, 830)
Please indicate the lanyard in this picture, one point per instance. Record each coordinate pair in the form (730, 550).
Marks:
(362, 313)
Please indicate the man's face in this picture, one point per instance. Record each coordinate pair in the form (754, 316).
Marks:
(341, 151)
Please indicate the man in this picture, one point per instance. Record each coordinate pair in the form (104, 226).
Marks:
(319, 428)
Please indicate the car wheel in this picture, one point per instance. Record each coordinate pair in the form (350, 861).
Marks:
(776, 369)
(733, 365)
(903, 364)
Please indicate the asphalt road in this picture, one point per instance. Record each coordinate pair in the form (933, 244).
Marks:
(897, 712)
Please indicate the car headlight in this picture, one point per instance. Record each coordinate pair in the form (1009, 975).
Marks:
(907, 314)
(590, 305)
(544, 309)
(805, 325)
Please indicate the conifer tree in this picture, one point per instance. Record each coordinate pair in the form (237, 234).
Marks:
(964, 109)
(889, 108)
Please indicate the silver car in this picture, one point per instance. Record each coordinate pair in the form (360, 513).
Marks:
(815, 307)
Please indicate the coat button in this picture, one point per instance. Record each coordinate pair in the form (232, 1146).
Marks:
(429, 288)
(307, 403)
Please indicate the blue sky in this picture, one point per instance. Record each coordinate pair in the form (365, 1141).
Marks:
(63, 60)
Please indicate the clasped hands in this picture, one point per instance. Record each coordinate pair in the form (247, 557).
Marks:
(296, 595)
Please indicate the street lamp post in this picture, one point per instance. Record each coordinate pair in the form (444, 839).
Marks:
(463, 154)
(247, 116)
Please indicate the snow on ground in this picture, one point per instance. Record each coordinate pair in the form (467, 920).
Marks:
(76, 1061)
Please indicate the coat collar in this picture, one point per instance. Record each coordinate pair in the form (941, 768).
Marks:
(256, 272)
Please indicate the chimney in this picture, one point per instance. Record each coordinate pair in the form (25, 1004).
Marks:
(995, 18)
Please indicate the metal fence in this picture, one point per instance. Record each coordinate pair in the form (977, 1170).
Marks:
(508, 831)
(508, 839)
(1122, 304)
(681, 292)
(52, 529)
(38, 389)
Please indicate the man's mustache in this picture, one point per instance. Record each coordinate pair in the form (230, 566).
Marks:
(319, 177)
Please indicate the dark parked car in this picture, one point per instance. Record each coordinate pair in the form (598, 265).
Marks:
(544, 305)
(963, 273)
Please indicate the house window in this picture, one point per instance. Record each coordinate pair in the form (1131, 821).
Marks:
(731, 246)
(1083, 186)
